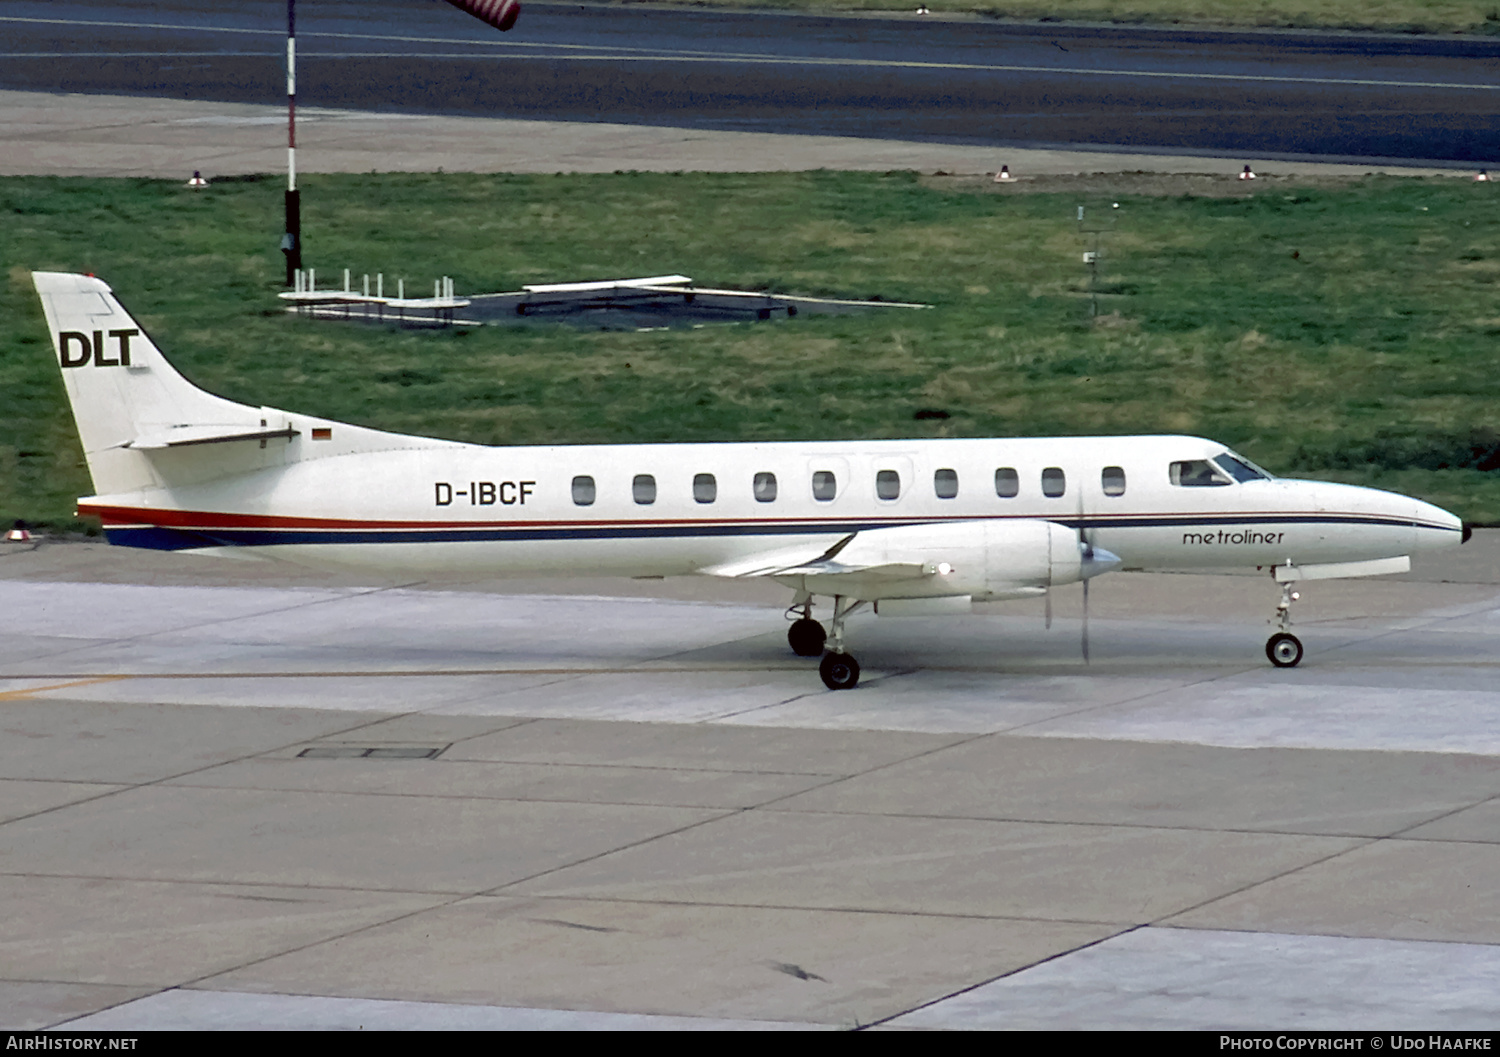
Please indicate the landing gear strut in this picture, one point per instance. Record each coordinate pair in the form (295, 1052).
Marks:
(1284, 649)
(806, 636)
(840, 671)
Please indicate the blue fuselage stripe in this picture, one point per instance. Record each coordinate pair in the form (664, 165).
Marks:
(161, 538)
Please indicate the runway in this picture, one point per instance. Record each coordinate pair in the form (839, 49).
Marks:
(237, 794)
(966, 82)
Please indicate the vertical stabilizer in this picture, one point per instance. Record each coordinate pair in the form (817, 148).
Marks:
(123, 391)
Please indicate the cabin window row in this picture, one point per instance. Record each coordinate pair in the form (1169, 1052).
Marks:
(1054, 483)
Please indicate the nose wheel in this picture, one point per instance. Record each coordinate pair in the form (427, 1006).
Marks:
(1284, 649)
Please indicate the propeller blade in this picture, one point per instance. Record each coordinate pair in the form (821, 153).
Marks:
(1085, 622)
(1087, 554)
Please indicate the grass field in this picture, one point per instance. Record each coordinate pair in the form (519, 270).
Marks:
(1343, 330)
(1392, 16)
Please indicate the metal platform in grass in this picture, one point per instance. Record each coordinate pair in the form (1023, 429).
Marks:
(613, 304)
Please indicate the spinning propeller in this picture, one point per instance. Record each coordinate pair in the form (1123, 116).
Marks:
(1092, 561)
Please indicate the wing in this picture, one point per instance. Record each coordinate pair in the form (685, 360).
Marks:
(981, 559)
(817, 560)
(870, 569)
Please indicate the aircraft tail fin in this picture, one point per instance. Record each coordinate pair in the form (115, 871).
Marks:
(126, 397)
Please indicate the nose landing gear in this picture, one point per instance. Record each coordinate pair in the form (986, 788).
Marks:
(1284, 649)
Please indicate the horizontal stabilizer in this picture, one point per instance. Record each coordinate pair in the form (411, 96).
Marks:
(183, 436)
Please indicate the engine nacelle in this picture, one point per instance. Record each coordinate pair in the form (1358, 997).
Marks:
(981, 559)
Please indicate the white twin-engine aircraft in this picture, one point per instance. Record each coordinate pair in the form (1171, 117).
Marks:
(912, 527)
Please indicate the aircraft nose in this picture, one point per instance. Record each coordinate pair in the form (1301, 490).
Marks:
(1437, 529)
(1096, 560)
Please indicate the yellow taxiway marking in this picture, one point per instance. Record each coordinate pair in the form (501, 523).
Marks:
(17, 695)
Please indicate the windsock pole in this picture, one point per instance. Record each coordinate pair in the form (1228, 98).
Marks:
(291, 241)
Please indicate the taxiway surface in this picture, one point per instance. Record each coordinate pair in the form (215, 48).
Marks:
(236, 795)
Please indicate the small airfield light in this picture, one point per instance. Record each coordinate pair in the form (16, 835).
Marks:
(197, 180)
(1247, 173)
(1003, 175)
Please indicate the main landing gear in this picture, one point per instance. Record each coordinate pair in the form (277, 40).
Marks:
(806, 636)
(840, 671)
(1284, 649)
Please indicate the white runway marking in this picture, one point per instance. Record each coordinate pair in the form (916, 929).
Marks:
(576, 657)
(178, 1010)
(1260, 710)
(1162, 979)
(1146, 979)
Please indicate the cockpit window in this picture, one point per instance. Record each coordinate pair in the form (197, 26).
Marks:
(1240, 469)
(1197, 473)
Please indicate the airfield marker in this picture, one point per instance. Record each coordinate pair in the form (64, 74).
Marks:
(291, 240)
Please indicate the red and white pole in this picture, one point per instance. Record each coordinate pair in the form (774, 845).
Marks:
(291, 241)
(499, 13)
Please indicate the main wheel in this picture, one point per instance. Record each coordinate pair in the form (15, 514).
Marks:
(1285, 651)
(807, 637)
(839, 671)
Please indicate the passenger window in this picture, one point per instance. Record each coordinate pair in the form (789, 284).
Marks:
(705, 488)
(1007, 483)
(888, 484)
(765, 487)
(825, 486)
(1113, 480)
(945, 483)
(643, 489)
(1054, 482)
(1197, 473)
(583, 491)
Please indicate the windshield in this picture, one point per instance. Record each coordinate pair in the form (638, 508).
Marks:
(1240, 469)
